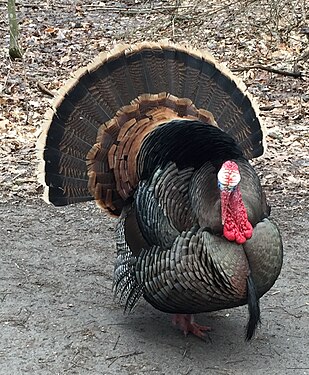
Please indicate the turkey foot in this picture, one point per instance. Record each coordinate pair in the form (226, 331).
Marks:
(186, 323)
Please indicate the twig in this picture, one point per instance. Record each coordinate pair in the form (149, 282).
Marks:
(167, 7)
(268, 69)
(114, 358)
(7, 76)
(26, 82)
(173, 26)
(297, 368)
(2, 299)
(44, 89)
(286, 311)
(16, 320)
(91, 7)
(211, 13)
(289, 313)
(124, 355)
(116, 343)
(75, 360)
(267, 107)
(113, 361)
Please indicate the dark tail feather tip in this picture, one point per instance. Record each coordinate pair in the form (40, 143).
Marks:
(254, 309)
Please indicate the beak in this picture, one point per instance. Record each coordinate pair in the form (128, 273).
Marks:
(225, 196)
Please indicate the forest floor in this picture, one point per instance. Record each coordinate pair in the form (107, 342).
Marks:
(57, 313)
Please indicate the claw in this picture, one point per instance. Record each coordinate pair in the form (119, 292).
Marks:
(186, 323)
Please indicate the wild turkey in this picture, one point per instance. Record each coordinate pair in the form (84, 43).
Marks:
(159, 135)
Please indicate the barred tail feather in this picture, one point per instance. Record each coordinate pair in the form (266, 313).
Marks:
(114, 80)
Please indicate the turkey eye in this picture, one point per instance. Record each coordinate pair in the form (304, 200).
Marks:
(222, 186)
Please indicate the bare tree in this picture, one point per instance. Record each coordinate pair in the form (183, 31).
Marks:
(14, 51)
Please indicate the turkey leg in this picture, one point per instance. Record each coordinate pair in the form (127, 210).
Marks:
(186, 323)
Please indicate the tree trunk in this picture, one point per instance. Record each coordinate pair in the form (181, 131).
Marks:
(14, 51)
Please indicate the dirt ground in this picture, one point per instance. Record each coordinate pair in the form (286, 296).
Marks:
(58, 315)
(57, 312)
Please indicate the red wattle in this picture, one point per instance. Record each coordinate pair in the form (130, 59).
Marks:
(236, 224)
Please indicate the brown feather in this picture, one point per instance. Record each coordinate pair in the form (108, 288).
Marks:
(119, 141)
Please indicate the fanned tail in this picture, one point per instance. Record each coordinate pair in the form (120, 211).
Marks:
(85, 114)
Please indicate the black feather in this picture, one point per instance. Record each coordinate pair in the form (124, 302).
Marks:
(253, 307)
(186, 143)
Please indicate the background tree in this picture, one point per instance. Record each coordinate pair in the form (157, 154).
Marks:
(14, 50)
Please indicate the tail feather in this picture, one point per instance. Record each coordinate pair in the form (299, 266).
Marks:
(254, 309)
(116, 79)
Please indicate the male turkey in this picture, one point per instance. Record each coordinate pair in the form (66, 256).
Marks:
(159, 135)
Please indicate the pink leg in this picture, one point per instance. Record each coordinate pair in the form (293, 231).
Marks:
(186, 323)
